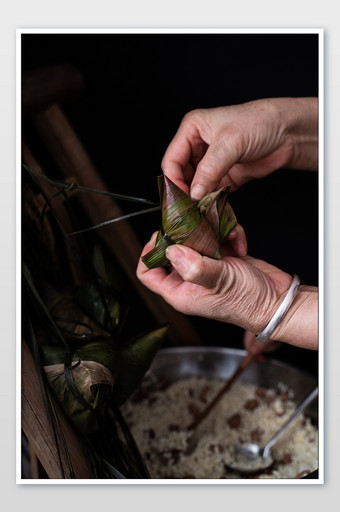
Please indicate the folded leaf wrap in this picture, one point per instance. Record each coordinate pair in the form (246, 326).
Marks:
(201, 225)
(102, 371)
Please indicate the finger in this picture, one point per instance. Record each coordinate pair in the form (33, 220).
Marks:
(175, 172)
(256, 347)
(220, 156)
(154, 279)
(188, 173)
(251, 344)
(141, 267)
(184, 152)
(177, 158)
(235, 244)
(159, 280)
(182, 177)
(150, 244)
(194, 268)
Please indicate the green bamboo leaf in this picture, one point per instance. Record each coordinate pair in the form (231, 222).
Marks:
(94, 372)
(200, 225)
(227, 221)
(180, 216)
(104, 352)
(54, 355)
(136, 358)
(94, 383)
(95, 368)
(106, 271)
(98, 307)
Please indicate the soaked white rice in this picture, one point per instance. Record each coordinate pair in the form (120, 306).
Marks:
(246, 413)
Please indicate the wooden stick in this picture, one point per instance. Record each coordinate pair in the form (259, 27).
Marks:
(43, 86)
(243, 365)
(59, 208)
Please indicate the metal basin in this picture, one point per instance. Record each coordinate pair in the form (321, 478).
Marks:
(174, 364)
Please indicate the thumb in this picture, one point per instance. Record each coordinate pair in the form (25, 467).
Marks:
(215, 164)
(194, 268)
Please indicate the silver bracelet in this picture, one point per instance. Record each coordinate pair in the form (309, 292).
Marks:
(281, 312)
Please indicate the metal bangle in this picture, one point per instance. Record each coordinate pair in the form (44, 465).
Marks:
(281, 312)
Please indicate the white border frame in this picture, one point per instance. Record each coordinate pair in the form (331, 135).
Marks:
(320, 33)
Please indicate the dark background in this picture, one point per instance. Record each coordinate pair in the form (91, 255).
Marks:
(137, 89)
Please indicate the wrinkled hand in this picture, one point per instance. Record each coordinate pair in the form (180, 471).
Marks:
(253, 346)
(234, 144)
(242, 291)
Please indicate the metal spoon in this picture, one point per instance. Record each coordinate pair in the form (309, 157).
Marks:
(250, 457)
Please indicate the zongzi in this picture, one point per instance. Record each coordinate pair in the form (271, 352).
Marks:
(201, 225)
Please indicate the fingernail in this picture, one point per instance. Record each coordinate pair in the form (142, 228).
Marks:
(174, 253)
(153, 238)
(176, 256)
(198, 191)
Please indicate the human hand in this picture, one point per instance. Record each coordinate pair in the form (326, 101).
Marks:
(256, 347)
(243, 291)
(230, 289)
(234, 144)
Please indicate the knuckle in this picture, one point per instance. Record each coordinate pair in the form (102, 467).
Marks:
(195, 116)
(232, 141)
(223, 282)
(194, 272)
(206, 169)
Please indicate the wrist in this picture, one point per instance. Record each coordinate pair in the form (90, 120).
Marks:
(302, 129)
(299, 327)
(281, 311)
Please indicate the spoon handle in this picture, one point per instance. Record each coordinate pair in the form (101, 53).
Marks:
(279, 433)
